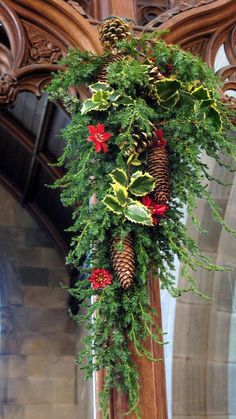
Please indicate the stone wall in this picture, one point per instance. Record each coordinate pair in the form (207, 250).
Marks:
(38, 376)
(204, 361)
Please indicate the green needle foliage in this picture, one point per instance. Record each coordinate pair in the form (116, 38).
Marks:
(184, 101)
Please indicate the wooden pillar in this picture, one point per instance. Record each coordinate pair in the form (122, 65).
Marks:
(152, 375)
(122, 8)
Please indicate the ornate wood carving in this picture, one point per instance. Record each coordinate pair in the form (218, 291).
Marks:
(150, 10)
(35, 44)
(8, 89)
(83, 7)
(42, 49)
(203, 31)
(172, 9)
(198, 47)
(223, 42)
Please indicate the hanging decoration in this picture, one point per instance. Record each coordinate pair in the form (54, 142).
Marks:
(136, 144)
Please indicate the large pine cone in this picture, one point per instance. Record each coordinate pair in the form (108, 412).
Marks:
(158, 167)
(102, 75)
(112, 31)
(124, 262)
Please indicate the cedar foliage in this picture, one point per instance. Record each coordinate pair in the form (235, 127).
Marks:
(188, 108)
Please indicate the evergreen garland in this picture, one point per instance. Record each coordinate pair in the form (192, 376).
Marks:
(152, 95)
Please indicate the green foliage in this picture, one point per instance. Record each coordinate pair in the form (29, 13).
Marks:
(120, 203)
(188, 108)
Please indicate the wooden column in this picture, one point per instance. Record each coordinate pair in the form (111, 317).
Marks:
(152, 375)
(122, 8)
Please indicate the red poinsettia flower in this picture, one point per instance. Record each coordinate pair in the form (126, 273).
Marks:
(99, 137)
(100, 278)
(161, 139)
(157, 210)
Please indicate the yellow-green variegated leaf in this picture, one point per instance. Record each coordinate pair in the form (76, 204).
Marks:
(119, 176)
(141, 184)
(201, 93)
(101, 86)
(168, 92)
(215, 117)
(121, 193)
(88, 106)
(134, 160)
(211, 112)
(138, 213)
(113, 204)
(100, 97)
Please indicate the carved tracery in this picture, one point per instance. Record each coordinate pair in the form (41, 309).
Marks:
(30, 48)
(42, 48)
(158, 12)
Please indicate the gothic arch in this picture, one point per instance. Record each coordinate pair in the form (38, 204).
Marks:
(34, 36)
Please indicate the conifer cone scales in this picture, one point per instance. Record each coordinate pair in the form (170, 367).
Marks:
(102, 75)
(124, 262)
(112, 31)
(158, 167)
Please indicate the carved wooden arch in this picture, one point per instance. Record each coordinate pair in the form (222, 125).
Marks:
(34, 35)
(202, 30)
(39, 34)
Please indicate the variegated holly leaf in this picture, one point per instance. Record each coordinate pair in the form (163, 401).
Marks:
(141, 184)
(101, 86)
(88, 106)
(215, 117)
(138, 213)
(134, 160)
(119, 176)
(98, 102)
(168, 92)
(201, 93)
(211, 111)
(113, 204)
(121, 193)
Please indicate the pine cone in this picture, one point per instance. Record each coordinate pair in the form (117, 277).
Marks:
(158, 167)
(102, 75)
(141, 141)
(124, 262)
(154, 75)
(112, 31)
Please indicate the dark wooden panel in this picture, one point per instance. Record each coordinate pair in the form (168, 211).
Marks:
(55, 142)
(49, 203)
(14, 158)
(28, 110)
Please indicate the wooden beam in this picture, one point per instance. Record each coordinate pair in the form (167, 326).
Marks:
(122, 8)
(45, 121)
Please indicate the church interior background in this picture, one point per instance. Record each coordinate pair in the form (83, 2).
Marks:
(38, 340)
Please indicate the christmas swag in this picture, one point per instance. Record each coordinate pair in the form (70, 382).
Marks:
(135, 145)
